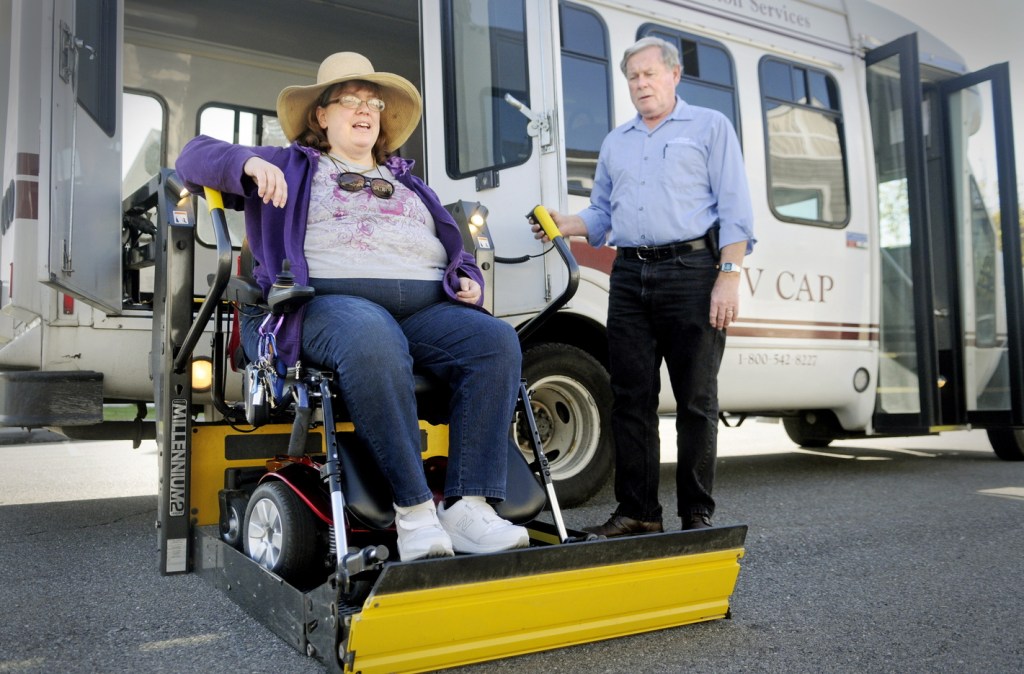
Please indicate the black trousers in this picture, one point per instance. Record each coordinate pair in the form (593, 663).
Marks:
(660, 311)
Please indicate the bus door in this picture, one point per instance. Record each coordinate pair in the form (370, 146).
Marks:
(489, 128)
(84, 252)
(981, 198)
(950, 289)
(908, 379)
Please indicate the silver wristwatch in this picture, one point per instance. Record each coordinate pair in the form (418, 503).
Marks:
(729, 268)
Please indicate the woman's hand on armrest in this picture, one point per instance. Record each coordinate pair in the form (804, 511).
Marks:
(269, 179)
(470, 291)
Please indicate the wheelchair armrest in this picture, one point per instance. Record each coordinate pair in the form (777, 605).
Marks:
(284, 299)
(243, 291)
(281, 299)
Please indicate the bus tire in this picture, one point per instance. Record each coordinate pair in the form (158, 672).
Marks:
(809, 429)
(571, 398)
(1007, 443)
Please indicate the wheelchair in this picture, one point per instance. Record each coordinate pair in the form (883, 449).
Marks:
(324, 508)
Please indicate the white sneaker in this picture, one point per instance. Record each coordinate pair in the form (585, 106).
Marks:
(475, 527)
(420, 533)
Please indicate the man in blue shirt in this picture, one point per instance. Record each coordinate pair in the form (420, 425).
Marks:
(671, 194)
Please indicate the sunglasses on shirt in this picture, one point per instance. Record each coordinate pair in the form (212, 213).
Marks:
(353, 182)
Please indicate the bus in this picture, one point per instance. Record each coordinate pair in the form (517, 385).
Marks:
(884, 296)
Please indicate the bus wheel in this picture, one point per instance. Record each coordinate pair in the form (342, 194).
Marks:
(810, 429)
(280, 532)
(571, 398)
(1008, 443)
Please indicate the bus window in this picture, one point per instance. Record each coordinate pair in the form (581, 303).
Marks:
(707, 79)
(241, 125)
(246, 126)
(485, 59)
(807, 180)
(586, 93)
(142, 139)
(143, 153)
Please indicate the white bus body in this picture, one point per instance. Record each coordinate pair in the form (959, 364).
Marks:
(882, 296)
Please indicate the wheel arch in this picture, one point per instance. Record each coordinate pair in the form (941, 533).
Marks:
(575, 329)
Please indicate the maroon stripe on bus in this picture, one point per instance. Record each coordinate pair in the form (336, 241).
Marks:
(28, 164)
(26, 194)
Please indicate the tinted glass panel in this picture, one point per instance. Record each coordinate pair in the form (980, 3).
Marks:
(587, 120)
(799, 86)
(707, 78)
(583, 33)
(142, 151)
(822, 94)
(806, 153)
(715, 65)
(687, 54)
(96, 27)
(586, 76)
(486, 60)
(776, 80)
(976, 192)
(723, 100)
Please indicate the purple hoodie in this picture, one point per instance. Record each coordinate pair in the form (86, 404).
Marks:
(278, 233)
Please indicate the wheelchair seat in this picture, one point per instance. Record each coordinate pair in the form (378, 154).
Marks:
(369, 499)
(368, 495)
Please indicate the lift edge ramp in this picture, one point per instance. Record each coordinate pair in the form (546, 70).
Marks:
(496, 606)
(439, 613)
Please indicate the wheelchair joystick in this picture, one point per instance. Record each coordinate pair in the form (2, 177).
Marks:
(285, 296)
(285, 277)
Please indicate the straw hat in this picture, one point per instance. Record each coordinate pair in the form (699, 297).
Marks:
(402, 103)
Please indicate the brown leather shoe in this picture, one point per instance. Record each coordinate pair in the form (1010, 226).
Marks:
(620, 525)
(696, 521)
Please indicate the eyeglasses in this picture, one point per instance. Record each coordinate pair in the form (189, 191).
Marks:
(353, 182)
(353, 102)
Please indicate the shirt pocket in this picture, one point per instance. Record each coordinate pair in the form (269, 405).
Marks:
(685, 167)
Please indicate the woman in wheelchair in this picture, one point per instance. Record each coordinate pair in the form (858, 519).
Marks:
(394, 289)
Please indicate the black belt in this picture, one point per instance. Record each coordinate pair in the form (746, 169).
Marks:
(668, 251)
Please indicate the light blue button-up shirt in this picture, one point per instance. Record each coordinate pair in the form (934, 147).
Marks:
(670, 184)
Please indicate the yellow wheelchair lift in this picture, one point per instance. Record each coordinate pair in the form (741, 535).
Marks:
(391, 616)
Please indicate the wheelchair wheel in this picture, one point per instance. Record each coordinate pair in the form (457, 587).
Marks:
(280, 531)
(232, 517)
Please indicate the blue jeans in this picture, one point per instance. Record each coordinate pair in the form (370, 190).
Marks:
(660, 310)
(371, 332)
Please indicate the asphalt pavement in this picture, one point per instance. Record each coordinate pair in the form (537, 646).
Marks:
(901, 555)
